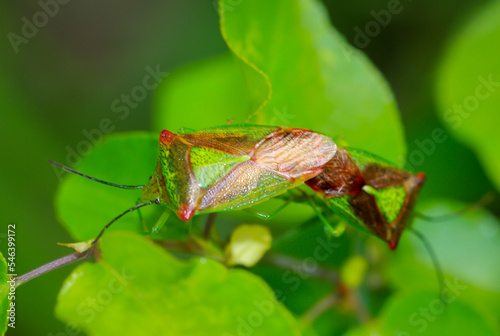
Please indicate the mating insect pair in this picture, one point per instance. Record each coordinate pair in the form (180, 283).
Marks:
(235, 167)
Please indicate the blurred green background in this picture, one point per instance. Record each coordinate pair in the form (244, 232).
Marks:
(64, 80)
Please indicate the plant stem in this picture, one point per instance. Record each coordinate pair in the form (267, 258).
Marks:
(209, 224)
(66, 260)
(174, 245)
(287, 262)
(359, 306)
(319, 308)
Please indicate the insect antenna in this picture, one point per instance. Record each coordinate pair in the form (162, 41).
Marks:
(432, 254)
(481, 203)
(94, 179)
(118, 217)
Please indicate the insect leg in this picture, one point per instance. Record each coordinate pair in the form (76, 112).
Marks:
(266, 216)
(161, 221)
(322, 218)
(336, 231)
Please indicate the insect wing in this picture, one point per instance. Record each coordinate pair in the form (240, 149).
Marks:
(280, 161)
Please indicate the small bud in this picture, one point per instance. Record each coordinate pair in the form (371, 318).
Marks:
(248, 244)
(79, 247)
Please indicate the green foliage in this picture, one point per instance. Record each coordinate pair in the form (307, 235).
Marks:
(137, 288)
(468, 87)
(313, 76)
(307, 77)
(420, 312)
(415, 312)
(468, 249)
(214, 91)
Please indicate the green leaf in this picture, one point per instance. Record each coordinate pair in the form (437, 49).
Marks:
(467, 247)
(468, 87)
(137, 288)
(301, 72)
(364, 330)
(420, 312)
(4, 295)
(84, 206)
(202, 95)
(416, 312)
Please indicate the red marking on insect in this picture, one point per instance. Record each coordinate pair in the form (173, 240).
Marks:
(421, 177)
(186, 212)
(393, 243)
(166, 137)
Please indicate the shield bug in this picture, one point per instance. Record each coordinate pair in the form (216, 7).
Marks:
(229, 167)
(369, 193)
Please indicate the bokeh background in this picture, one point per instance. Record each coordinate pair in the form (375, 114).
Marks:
(64, 80)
